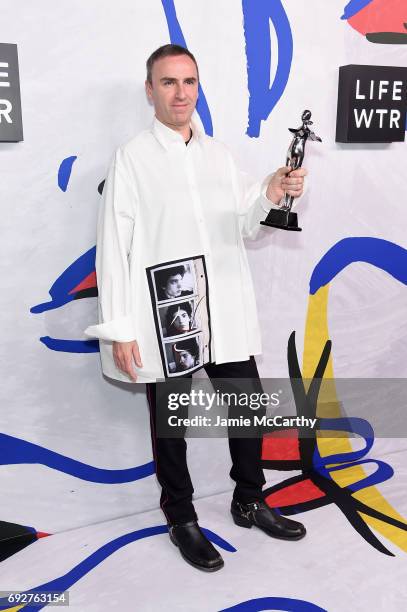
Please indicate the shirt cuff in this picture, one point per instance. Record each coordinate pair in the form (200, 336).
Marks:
(265, 203)
(116, 330)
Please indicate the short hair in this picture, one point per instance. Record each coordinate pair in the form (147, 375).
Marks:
(190, 345)
(169, 50)
(162, 276)
(173, 309)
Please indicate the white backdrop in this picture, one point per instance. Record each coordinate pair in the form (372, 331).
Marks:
(82, 71)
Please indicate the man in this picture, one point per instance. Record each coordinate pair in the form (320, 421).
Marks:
(169, 283)
(179, 319)
(186, 354)
(173, 180)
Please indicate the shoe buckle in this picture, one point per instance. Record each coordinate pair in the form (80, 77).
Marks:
(247, 509)
(253, 506)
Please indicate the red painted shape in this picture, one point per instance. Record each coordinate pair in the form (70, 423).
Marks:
(381, 16)
(42, 534)
(281, 446)
(293, 494)
(89, 281)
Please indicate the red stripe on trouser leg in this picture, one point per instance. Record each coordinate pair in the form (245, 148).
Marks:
(171, 462)
(153, 444)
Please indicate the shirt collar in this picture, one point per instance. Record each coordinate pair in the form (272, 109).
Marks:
(167, 136)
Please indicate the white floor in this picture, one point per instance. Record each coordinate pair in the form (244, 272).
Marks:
(333, 568)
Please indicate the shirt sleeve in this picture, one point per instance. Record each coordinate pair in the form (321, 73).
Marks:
(114, 238)
(253, 205)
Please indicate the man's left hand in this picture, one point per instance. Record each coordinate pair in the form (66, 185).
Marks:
(285, 180)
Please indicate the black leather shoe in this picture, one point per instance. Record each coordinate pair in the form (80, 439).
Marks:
(260, 514)
(195, 547)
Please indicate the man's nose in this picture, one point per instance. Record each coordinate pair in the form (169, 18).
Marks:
(180, 92)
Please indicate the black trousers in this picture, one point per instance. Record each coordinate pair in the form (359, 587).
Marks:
(170, 453)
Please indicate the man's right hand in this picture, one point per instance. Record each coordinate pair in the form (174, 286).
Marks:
(123, 355)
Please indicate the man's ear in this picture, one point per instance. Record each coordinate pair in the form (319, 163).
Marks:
(149, 88)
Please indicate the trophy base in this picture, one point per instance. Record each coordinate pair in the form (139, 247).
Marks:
(282, 219)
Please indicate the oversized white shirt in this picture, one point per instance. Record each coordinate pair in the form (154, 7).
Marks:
(166, 205)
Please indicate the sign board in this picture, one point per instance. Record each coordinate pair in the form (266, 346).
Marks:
(11, 125)
(371, 104)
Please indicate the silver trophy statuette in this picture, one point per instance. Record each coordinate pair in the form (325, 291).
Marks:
(284, 218)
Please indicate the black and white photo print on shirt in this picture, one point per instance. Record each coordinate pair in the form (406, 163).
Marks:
(172, 282)
(184, 355)
(179, 298)
(179, 318)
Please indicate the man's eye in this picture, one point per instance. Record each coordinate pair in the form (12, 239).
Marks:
(167, 82)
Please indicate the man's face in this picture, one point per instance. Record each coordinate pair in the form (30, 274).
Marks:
(174, 90)
(186, 360)
(181, 320)
(173, 287)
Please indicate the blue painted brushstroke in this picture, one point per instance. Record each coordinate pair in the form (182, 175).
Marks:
(285, 604)
(70, 278)
(64, 172)
(326, 464)
(177, 38)
(380, 253)
(353, 7)
(384, 472)
(262, 97)
(71, 346)
(216, 539)
(361, 427)
(63, 583)
(17, 451)
(61, 293)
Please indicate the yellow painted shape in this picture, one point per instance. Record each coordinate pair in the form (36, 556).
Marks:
(316, 334)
